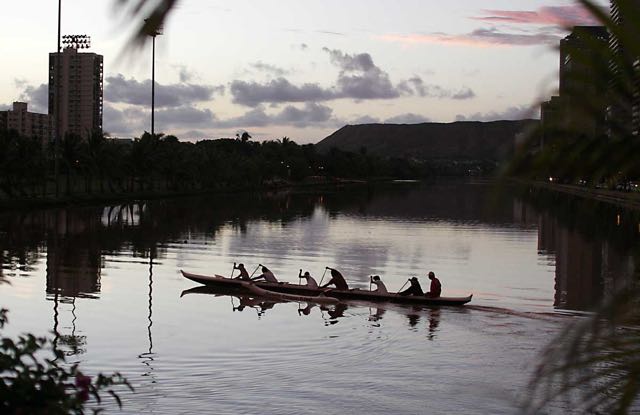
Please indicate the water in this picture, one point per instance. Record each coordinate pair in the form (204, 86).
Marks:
(107, 280)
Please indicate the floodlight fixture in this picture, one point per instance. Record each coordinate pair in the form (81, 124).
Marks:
(76, 41)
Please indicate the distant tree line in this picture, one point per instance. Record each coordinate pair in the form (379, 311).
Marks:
(162, 163)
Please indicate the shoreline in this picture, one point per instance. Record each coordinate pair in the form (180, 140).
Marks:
(627, 200)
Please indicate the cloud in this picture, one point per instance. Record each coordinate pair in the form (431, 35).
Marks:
(408, 118)
(36, 96)
(417, 86)
(328, 32)
(268, 68)
(478, 37)
(311, 114)
(565, 16)
(133, 120)
(195, 135)
(184, 73)
(360, 78)
(130, 91)
(5, 107)
(547, 23)
(277, 90)
(184, 116)
(365, 119)
(512, 113)
(127, 122)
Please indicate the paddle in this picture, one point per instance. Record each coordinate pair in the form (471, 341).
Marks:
(254, 271)
(401, 288)
(300, 277)
(370, 281)
(234, 268)
(323, 274)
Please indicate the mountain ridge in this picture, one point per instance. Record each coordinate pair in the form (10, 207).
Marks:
(463, 140)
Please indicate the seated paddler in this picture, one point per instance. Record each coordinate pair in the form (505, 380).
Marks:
(266, 275)
(380, 287)
(436, 287)
(311, 282)
(414, 288)
(244, 275)
(337, 280)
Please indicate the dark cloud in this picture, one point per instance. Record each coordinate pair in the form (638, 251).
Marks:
(268, 68)
(279, 90)
(256, 117)
(133, 120)
(184, 116)
(416, 86)
(464, 93)
(360, 78)
(311, 114)
(5, 107)
(127, 122)
(498, 37)
(130, 91)
(512, 113)
(408, 118)
(36, 96)
(184, 73)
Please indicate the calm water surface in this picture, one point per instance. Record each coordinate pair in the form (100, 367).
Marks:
(106, 281)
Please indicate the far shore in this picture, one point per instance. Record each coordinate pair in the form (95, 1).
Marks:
(627, 200)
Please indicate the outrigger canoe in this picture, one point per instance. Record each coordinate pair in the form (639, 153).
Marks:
(272, 288)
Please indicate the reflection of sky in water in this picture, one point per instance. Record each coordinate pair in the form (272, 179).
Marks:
(380, 359)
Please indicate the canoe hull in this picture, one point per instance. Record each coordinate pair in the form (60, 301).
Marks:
(302, 290)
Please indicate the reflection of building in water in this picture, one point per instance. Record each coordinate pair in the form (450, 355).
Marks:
(73, 259)
(524, 215)
(586, 270)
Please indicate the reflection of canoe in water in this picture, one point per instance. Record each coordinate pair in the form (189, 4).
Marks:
(319, 298)
(303, 290)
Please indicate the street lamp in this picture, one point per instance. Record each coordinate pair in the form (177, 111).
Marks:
(56, 137)
(153, 33)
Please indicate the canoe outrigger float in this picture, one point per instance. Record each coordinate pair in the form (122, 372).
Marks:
(297, 292)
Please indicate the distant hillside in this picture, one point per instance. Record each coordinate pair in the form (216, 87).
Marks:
(465, 140)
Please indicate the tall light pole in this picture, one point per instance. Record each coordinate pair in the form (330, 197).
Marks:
(153, 34)
(56, 138)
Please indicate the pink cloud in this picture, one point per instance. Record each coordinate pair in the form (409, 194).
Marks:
(478, 38)
(552, 20)
(553, 15)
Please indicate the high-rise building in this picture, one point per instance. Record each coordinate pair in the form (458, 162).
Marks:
(27, 124)
(584, 76)
(75, 90)
(580, 107)
(623, 111)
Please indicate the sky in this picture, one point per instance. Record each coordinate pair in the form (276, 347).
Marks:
(300, 68)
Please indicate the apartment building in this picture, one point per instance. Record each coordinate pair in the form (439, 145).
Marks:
(76, 92)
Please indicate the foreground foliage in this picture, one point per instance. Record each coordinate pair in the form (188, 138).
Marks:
(35, 379)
